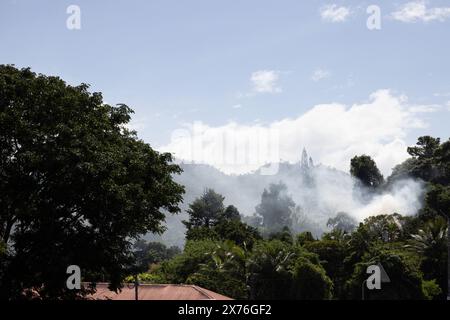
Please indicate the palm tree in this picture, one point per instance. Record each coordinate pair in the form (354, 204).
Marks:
(268, 271)
(431, 244)
(430, 239)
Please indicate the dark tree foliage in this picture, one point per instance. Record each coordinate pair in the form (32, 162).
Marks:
(224, 224)
(310, 282)
(208, 219)
(278, 270)
(331, 254)
(438, 200)
(304, 238)
(234, 230)
(206, 210)
(423, 164)
(366, 171)
(181, 267)
(425, 148)
(430, 242)
(149, 253)
(406, 282)
(268, 267)
(76, 185)
(284, 235)
(231, 213)
(276, 208)
(431, 163)
(238, 232)
(225, 271)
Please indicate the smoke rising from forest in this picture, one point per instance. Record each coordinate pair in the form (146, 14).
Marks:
(319, 193)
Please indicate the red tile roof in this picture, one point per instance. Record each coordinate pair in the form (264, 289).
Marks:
(156, 292)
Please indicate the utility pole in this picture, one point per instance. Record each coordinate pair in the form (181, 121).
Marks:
(136, 287)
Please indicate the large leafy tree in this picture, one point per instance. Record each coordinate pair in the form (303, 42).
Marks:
(430, 243)
(269, 270)
(310, 282)
(431, 162)
(366, 171)
(152, 253)
(405, 279)
(423, 155)
(209, 219)
(206, 210)
(279, 270)
(181, 267)
(77, 186)
(332, 253)
(225, 273)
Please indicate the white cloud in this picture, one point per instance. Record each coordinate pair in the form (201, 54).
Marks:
(448, 105)
(320, 74)
(237, 106)
(334, 13)
(416, 11)
(425, 108)
(442, 94)
(332, 133)
(265, 81)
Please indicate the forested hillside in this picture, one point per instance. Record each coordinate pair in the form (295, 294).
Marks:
(274, 255)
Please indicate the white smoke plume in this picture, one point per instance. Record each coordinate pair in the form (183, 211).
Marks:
(320, 192)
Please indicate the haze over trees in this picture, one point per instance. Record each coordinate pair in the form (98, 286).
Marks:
(78, 187)
(276, 207)
(318, 192)
(284, 265)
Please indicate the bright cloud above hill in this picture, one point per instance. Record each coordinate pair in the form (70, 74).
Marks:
(333, 133)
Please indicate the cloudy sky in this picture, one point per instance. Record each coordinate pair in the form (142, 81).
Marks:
(287, 73)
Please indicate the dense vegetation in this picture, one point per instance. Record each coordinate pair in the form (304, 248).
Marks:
(267, 261)
(77, 187)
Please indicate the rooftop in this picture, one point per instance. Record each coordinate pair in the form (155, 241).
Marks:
(156, 292)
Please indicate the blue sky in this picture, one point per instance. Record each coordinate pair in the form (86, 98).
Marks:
(250, 63)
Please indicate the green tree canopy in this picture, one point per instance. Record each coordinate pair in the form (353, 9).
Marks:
(406, 279)
(231, 213)
(304, 237)
(149, 253)
(76, 184)
(206, 210)
(366, 171)
(310, 282)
